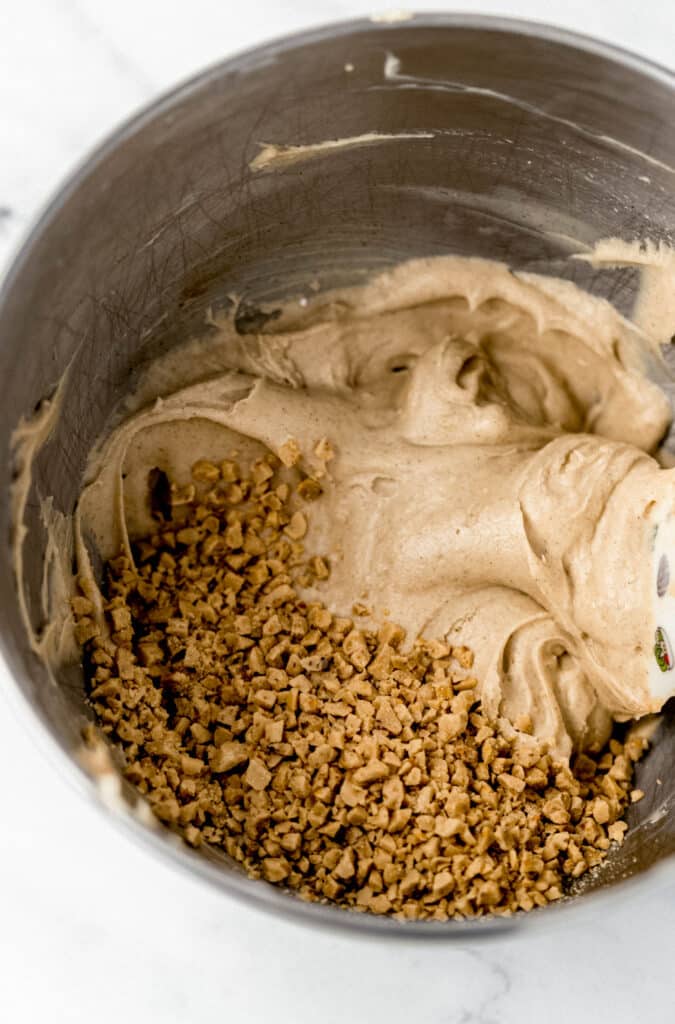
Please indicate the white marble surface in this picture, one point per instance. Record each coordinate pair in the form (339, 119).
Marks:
(92, 928)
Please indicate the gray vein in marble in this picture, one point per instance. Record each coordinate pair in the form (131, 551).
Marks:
(489, 1010)
(90, 32)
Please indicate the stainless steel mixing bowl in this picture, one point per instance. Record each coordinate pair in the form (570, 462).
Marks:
(530, 144)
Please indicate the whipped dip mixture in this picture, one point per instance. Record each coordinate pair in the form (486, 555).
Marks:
(494, 478)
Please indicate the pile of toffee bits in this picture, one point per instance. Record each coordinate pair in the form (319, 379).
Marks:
(333, 760)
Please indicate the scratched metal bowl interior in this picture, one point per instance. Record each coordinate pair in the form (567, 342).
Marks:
(498, 139)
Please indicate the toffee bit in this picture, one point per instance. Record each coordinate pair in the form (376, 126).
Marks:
(329, 758)
(310, 489)
(324, 450)
(290, 453)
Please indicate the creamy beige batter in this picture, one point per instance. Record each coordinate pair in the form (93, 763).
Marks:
(493, 479)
